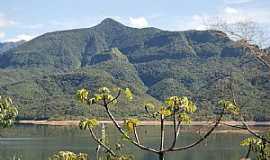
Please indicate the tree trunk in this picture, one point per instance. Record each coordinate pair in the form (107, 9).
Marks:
(161, 156)
(162, 133)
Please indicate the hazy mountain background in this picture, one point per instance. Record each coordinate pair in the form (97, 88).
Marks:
(5, 46)
(43, 74)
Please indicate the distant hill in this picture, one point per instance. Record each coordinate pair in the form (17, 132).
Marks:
(5, 46)
(44, 73)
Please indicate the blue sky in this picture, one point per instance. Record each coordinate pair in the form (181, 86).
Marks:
(25, 19)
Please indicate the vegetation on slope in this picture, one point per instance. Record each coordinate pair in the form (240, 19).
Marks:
(43, 74)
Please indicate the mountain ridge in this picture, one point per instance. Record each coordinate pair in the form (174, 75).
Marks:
(154, 63)
(106, 27)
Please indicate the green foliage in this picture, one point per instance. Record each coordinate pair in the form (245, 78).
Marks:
(184, 103)
(103, 96)
(130, 124)
(179, 106)
(229, 106)
(88, 123)
(8, 112)
(82, 95)
(128, 94)
(258, 146)
(185, 118)
(53, 96)
(251, 141)
(67, 155)
(164, 111)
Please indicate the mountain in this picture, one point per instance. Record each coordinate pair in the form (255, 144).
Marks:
(44, 73)
(5, 46)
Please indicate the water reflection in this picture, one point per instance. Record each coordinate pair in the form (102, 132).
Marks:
(38, 142)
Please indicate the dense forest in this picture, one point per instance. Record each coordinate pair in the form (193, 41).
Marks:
(42, 75)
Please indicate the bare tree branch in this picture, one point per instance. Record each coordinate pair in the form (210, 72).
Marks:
(125, 135)
(136, 134)
(253, 132)
(178, 129)
(201, 139)
(115, 98)
(248, 152)
(100, 142)
(176, 126)
(233, 126)
(149, 113)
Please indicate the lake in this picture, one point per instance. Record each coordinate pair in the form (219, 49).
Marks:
(38, 142)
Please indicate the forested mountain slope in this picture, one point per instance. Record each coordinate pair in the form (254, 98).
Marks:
(44, 73)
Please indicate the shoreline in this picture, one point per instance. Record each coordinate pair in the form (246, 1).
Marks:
(196, 126)
(143, 123)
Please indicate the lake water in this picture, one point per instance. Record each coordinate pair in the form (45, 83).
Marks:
(38, 142)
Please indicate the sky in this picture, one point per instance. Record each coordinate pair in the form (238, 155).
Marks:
(26, 19)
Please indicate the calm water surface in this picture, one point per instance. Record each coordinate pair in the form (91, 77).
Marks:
(38, 142)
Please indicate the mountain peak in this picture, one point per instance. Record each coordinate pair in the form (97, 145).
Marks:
(110, 22)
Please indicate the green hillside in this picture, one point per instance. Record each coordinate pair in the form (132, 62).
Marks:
(44, 73)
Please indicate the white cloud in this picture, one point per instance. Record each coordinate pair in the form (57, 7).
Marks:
(237, 1)
(230, 10)
(229, 15)
(2, 34)
(259, 16)
(20, 37)
(138, 22)
(195, 22)
(4, 22)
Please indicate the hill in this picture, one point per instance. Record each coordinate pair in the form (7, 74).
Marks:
(5, 46)
(44, 73)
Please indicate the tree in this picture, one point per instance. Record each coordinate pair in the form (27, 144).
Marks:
(175, 108)
(8, 112)
(259, 146)
(67, 155)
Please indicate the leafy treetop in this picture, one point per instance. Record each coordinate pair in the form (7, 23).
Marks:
(67, 155)
(8, 111)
